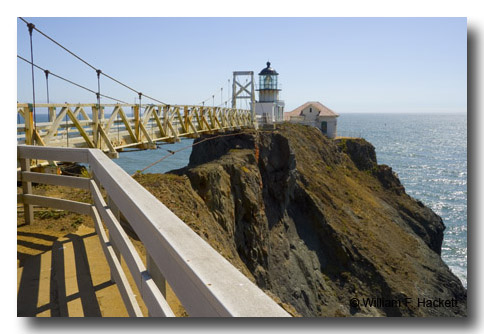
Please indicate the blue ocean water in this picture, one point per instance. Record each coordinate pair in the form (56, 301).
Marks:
(429, 154)
(137, 160)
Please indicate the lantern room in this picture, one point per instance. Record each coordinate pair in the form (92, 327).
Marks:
(268, 86)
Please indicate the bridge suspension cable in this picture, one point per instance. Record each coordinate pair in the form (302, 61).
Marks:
(85, 62)
(31, 27)
(47, 84)
(69, 81)
(225, 102)
(212, 96)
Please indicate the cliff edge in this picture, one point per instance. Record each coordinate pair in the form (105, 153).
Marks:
(316, 223)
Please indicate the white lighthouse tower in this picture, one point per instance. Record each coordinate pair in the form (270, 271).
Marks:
(269, 108)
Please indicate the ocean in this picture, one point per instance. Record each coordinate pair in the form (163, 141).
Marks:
(429, 154)
(427, 151)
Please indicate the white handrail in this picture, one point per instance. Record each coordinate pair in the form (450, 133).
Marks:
(203, 280)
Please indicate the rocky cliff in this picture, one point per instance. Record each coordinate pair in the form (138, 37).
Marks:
(316, 223)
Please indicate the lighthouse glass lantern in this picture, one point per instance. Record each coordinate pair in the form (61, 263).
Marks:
(268, 89)
(268, 81)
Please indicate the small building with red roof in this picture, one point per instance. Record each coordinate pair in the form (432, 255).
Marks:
(315, 114)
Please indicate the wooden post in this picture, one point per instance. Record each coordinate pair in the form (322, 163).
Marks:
(101, 124)
(29, 125)
(156, 274)
(95, 125)
(252, 104)
(137, 131)
(185, 119)
(51, 114)
(165, 119)
(26, 190)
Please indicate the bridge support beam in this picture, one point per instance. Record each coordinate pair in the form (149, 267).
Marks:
(52, 114)
(95, 127)
(136, 111)
(29, 125)
(240, 91)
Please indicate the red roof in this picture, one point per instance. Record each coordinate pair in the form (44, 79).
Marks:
(322, 109)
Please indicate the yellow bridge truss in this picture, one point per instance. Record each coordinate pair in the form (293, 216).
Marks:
(109, 128)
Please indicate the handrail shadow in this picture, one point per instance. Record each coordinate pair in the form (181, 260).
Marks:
(42, 248)
(28, 292)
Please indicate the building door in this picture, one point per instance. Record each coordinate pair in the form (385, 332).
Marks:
(324, 127)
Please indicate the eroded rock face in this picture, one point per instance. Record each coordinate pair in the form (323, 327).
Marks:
(318, 224)
(361, 152)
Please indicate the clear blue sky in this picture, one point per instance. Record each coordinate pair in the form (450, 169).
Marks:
(348, 64)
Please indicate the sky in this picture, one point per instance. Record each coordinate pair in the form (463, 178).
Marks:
(348, 64)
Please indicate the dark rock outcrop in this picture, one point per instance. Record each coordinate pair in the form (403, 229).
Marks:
(318, 223)
(361, 152)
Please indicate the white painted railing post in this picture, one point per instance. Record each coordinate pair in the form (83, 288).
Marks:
(116, 213)
(156, 274)
(27, 190)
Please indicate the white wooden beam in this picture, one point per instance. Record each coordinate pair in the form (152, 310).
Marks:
(155, 301)
(204, 281)
(58, 180)
(120, 278)
(53, 153)
(57, 203)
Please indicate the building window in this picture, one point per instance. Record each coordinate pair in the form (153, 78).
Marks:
(310, 109)
(324, 127)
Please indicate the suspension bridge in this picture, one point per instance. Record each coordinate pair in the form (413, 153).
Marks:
(126, 126)
(61, 280)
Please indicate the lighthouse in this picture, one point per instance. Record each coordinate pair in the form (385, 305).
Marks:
(269, 108)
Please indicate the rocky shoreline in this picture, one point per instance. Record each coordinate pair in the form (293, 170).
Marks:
(316, 223)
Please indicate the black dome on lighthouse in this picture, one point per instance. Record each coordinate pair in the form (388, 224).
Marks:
(268, 70)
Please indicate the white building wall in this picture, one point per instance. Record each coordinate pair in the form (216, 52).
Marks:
(331, 122)
(310, 114)
(312, 119)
